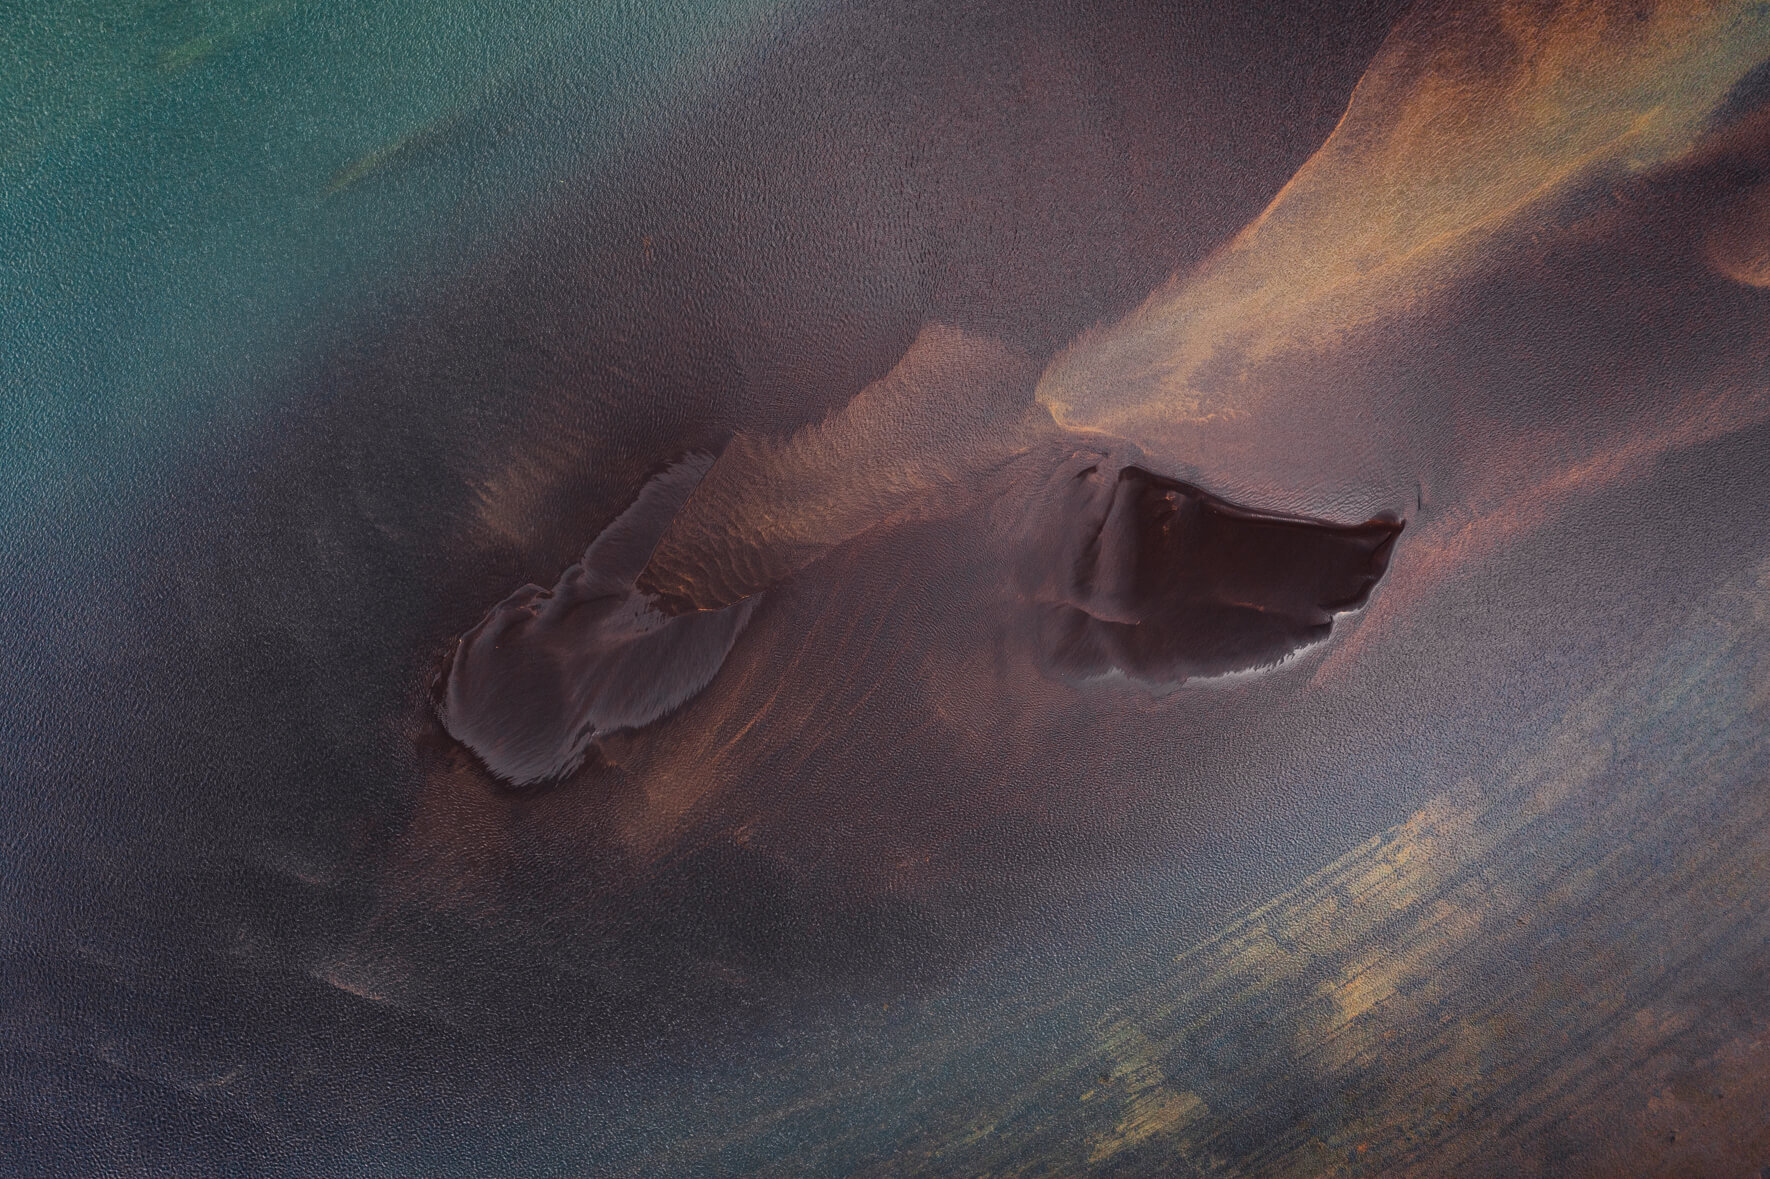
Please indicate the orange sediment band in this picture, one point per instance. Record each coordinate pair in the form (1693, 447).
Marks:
(1473, 118)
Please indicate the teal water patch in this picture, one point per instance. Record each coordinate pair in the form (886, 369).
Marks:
(194, 196)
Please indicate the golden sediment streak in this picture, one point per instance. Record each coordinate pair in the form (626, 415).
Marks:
(952, 410)
(1469, 116)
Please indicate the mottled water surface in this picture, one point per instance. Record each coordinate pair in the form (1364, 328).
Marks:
(818, 588)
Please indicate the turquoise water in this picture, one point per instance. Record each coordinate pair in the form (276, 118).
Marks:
(195, 196)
